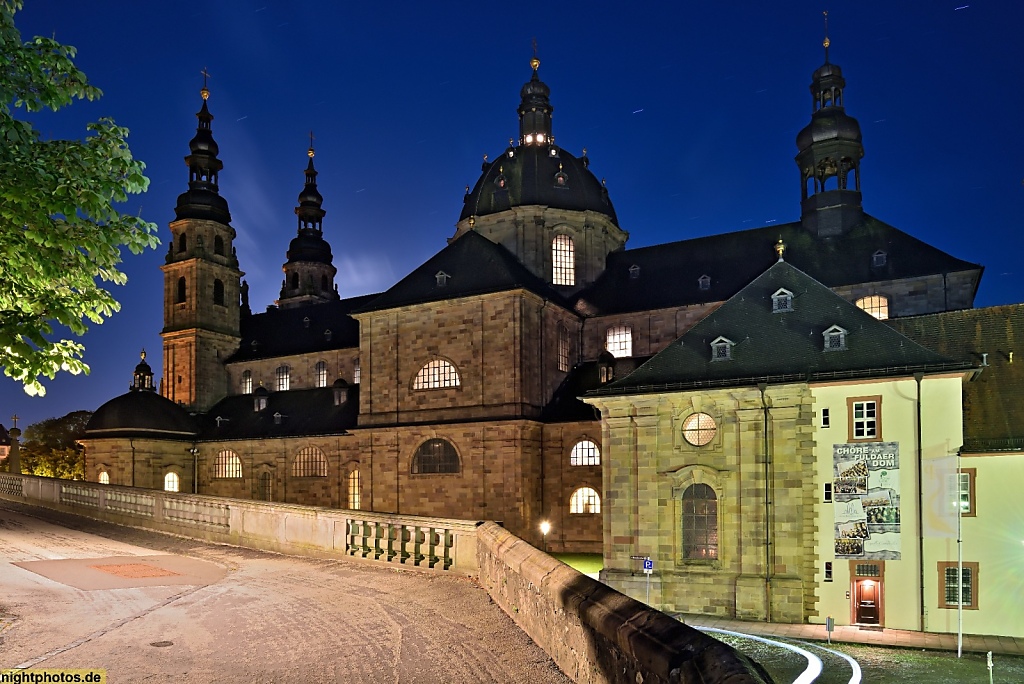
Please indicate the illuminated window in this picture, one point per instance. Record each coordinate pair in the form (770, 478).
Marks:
(104, 477)
(563, 260)
(356, 373)
(619, 341)
(171, 482)
(876, 305)
(585, 500)
(782, 301)
(835, 339)
(353, 490)
(721, 349)
(699, 429)
(247, 382)
(309, 462)
(263, 487)
(436, 374)
(321, 374)
(700, 523)
(865, 418)
(956, 589)
(435, 456)
(963, 485)
(563, 348)
(585, 453)
(227, 464)
(283, 378)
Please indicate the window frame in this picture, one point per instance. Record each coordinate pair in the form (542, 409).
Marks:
(247, 381)
(321, 373)
(437, 373)
(721, 349)
(592, 457)
(585, 500)
(688, 551)
(971, 567)
(782, 301)
(876, 305)
(834, 331)
(692, 426)
(851, 403)
(309, 461)
(563, 348)
(283, 378)
(563, 260)
(416, 463)
(172, 477)
(618, 340)
(971, 474)
(227, 465)
(354, 493)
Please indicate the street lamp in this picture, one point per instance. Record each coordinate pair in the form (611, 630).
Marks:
(545, 527)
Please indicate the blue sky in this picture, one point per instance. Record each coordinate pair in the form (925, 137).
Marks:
(689, 110)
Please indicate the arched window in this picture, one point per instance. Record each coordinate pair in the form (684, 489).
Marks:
(585, 453)
(247, 382)
(104, 477)
(585, 500)
(353, 490)
(436, 374)
(182, 243)
(283, 378)
(325, 283)
(435, 456)
(356, 374)
(263, 487)
(180, 299)
(876, 305)
(218, 292)
(700, 523)
(227, 464)
(172, 482)
(295, 281)
(619, 341)
(563, 348)
(563, 261)
(321, 374)
(218, 245)
(309, 462)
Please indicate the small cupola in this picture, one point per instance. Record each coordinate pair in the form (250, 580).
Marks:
(606, 366)
(142, 378)
(535, 110)
(340, 388)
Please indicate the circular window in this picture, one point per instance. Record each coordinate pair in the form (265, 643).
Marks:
(699, 429)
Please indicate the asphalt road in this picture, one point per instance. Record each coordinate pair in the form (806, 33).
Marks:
(77, 593)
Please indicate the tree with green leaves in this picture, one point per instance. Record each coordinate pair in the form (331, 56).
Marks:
(50, 447)
(60, 233)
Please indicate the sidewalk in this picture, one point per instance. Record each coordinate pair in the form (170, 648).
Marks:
(857, 635)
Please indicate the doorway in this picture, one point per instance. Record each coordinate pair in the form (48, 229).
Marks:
(867, 602)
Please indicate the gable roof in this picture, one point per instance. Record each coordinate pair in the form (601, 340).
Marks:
(994, 400)
(475, 266)
(283, 332)
(781, 346)
(669, 273)
(305, 413)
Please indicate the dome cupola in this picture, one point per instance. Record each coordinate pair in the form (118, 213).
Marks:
(202, 199)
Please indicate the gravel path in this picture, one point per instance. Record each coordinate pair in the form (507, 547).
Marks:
(271, 618)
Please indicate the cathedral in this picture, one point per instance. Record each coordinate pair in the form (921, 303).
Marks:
(457, 392)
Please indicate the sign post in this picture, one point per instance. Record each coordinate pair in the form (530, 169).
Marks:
(830, 624)
(648, 570)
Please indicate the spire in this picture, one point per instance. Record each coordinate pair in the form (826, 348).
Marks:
(310, 200)
(829, 154)
(202, 199)
(535, 109)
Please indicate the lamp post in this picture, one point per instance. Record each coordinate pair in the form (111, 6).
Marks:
(545, 527)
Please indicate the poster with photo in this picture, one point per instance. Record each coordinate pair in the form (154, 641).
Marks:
(866, 500)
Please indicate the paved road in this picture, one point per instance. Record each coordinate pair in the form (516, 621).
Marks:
(77, 593)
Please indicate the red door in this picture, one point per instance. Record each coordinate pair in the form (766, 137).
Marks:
(867, 602)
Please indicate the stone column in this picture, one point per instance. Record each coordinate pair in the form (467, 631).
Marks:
(14, 457)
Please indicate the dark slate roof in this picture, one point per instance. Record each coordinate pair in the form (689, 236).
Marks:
(781, 347)
(5, 437)
(565, 405)
(531, 178)
(141, 413)
(994, 400)
(304, 413)
(283, 332)
(475, 266)
(669, 273)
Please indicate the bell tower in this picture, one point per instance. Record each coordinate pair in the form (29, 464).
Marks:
(201, 281)
(830, 151)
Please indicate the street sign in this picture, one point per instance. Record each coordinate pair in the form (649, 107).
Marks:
(638, 557)
(648, 566)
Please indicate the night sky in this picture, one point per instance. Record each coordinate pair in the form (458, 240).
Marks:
(689, 110)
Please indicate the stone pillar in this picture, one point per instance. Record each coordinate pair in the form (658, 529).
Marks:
(14, 457)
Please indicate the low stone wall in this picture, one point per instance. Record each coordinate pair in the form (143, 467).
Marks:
(437, 543)
(594, 633)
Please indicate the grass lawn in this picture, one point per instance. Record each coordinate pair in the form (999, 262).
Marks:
(587, 563)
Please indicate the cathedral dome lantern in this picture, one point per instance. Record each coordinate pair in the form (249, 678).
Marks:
(142, 378)
(202, 200)
(829, 154)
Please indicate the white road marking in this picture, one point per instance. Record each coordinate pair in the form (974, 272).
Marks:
(813, 661)
(854, 665)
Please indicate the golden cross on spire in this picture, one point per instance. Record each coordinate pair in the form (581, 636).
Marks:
(15, 419)
(205, 92)
(310, 152)
(826, 42)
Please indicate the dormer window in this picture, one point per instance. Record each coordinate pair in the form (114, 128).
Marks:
(305, 322)
(721, 349)
(553, 152)
(328, 334)
(561, 178)
(704, 282)
(260, 399)
(879, 258)
(220, 420)
(442, 278)
(277, 418)
(782, 301)
(634, 272)
(835, 339)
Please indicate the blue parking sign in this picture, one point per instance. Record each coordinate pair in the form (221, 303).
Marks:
(648, 564)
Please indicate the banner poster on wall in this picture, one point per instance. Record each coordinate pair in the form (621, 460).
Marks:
(866, 500)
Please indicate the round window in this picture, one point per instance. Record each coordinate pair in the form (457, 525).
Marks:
(699, 429)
